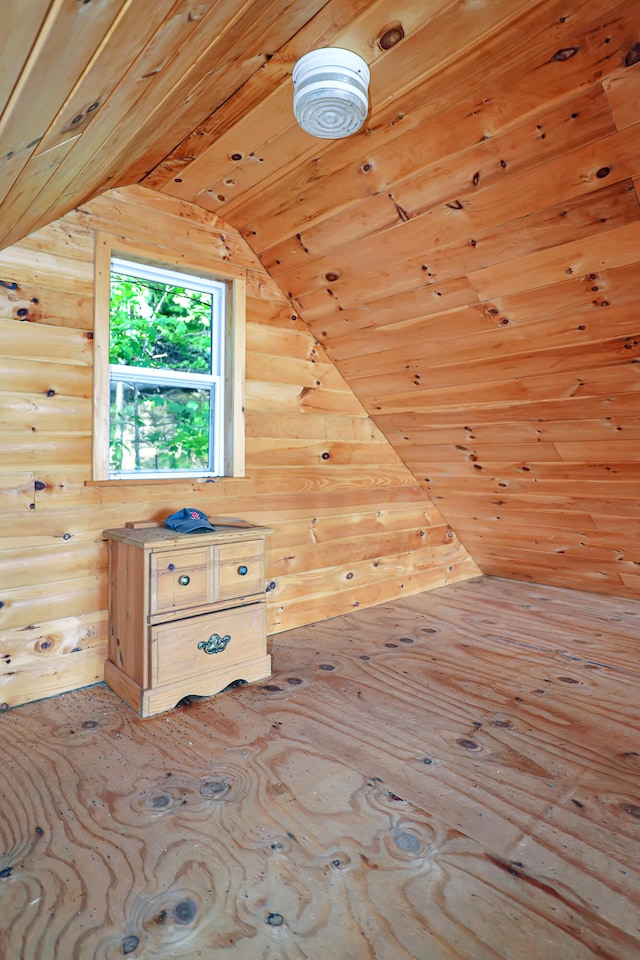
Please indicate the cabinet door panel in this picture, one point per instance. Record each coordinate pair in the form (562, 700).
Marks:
(179, 649)
(240, 569)
(181, 579)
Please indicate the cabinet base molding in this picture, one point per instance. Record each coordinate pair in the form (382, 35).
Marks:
(148, 703)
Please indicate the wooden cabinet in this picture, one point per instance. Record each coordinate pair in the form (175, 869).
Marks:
(186, 613)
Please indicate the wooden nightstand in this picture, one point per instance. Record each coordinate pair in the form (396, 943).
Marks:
(186, 613)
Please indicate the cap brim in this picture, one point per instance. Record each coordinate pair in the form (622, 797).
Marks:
(191, 526)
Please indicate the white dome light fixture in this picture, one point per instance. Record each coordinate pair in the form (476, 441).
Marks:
(330, 92)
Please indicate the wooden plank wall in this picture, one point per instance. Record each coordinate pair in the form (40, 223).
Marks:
(471, 261)
(351, 529)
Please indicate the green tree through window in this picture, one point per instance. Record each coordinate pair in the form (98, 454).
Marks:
(166, 372)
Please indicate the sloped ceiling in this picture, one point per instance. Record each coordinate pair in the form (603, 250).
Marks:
(470, 259)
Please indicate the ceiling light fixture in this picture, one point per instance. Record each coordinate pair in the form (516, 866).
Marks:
(330, 92)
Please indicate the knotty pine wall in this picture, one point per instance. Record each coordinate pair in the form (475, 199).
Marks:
(351, 530)
(470, 261)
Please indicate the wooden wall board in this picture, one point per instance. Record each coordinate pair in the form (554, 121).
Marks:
(523, 431)
(608, 209)
(73, 240)
(53, 600)
(568, 513)
(606, 382)
(502, 477)
(37, 680)
(327, 477)
(16, 490)
(345, 548)
(388, 284)
(545, 412)
(154, 203)
(68, 451)
(270, 451)
(314, 426)
(45, 342)
(447, 224)
(362, 498)
(327, 527)
(582, 474)
(563, 574)
(569, 518)
(624, 448)
(477, 165)
(623, 93)
(33, 303)
(199, 241)
(58, 273)
(617, 248)
(393, 576)
(315, 370)
(18, 410)
(35, 644)
(632, 581)
(50, 564)
(601, 547)
(526, 365)
(274, 395)
(580, 328)
(618, 285)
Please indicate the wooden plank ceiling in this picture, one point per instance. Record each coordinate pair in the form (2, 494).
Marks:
(470, 260)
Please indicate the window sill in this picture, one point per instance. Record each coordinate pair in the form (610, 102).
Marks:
(142, 481)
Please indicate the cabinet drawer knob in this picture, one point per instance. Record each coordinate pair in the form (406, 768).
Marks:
(243, 571)
(184, 580)
(215, 643)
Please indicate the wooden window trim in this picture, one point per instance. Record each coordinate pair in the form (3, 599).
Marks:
(235, 338)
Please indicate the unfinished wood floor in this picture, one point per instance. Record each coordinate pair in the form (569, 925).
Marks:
(456, 775)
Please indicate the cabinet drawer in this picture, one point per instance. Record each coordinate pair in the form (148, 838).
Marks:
(180, 579)
(240, 569)
(179, 649)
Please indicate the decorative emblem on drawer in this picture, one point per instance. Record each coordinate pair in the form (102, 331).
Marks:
(215, 643)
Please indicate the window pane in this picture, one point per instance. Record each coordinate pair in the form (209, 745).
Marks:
(158, 325)
(154, 427)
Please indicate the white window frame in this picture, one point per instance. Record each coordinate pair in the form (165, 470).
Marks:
(227, 431)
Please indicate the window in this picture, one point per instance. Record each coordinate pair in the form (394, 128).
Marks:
(167, 393)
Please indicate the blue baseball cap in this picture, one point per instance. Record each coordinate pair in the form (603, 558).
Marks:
(188, 520)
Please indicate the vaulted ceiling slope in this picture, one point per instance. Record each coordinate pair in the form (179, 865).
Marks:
(470, 259)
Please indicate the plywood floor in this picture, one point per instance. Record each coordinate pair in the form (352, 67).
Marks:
(456, 775)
